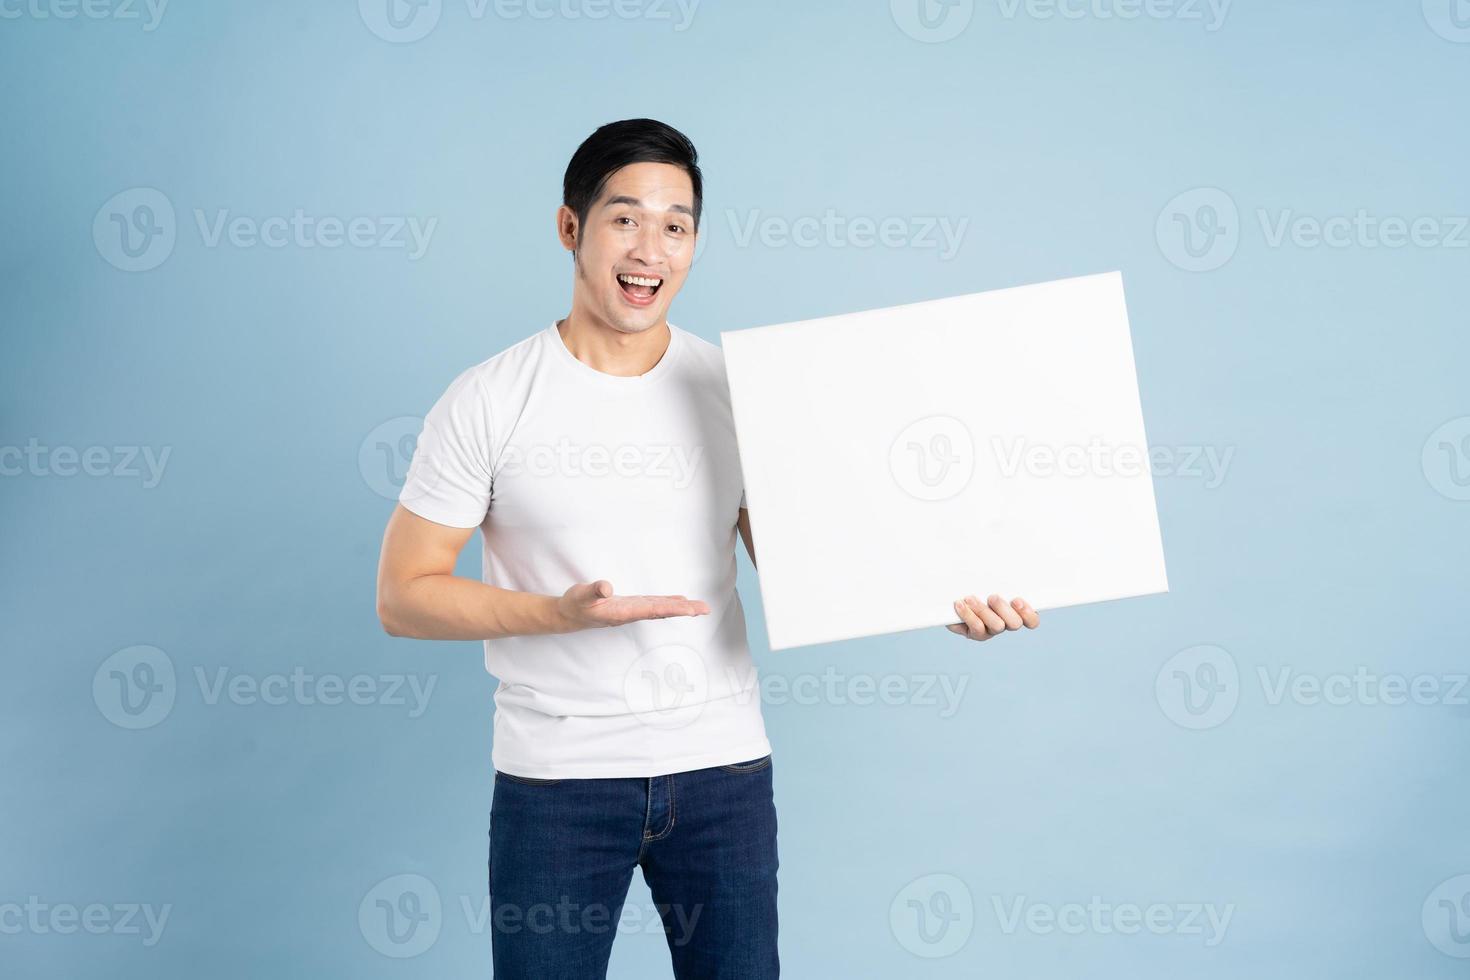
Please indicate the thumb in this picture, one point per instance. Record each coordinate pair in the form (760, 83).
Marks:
(592, 591)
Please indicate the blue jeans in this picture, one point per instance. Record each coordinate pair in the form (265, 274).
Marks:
(562, 853)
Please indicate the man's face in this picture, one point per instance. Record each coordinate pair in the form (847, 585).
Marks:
(635, 248)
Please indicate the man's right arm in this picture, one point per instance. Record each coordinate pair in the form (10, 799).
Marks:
(420, 596)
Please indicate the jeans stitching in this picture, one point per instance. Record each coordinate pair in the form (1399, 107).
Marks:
(672, 814)
(757, 767)
(528, 781)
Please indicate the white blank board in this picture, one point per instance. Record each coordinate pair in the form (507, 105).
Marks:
(899, 459)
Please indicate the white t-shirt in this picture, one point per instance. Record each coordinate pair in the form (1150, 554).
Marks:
(574, 475)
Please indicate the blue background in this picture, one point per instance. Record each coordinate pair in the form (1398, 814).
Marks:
(1334, 540)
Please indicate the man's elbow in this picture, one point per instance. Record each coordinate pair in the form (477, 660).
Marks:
(388, 616)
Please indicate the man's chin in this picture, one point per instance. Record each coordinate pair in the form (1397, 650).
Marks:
(634, 321)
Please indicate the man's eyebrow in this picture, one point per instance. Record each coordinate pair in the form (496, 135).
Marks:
(634, 202)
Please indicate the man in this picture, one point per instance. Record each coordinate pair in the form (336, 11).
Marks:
(598, 459)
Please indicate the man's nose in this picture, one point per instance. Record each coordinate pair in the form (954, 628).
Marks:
(647, 246)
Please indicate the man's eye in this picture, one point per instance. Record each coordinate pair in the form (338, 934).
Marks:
(624, 218)
(677, 229)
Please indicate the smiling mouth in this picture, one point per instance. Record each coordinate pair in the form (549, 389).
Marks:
(639, 290)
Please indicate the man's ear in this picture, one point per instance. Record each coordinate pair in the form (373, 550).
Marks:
(566, 228)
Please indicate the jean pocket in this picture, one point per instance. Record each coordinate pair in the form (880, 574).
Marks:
(526, 780)
(754, 765)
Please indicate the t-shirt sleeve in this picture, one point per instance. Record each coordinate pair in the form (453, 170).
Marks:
(449, 480)
(742, 498)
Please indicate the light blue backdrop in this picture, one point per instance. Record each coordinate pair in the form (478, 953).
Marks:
(193, 423)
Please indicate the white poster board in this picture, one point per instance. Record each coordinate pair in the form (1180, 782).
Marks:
(899, 459)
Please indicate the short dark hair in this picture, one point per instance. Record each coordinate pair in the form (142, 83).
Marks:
(618, 144)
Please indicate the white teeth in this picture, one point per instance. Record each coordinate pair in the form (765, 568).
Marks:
(639, 280)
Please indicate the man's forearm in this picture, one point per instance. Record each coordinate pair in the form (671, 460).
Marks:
(448, 607)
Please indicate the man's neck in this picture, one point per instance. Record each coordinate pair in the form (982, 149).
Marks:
(612, 351)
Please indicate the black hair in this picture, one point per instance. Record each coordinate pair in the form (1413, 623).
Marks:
(618, 144)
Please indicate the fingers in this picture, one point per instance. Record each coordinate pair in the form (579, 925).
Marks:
(628, 609)
(982, 620)
(977, 629)
(992, 619)
(666, 606)
(589, 592)
(1010, 617)
(1030, 617)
